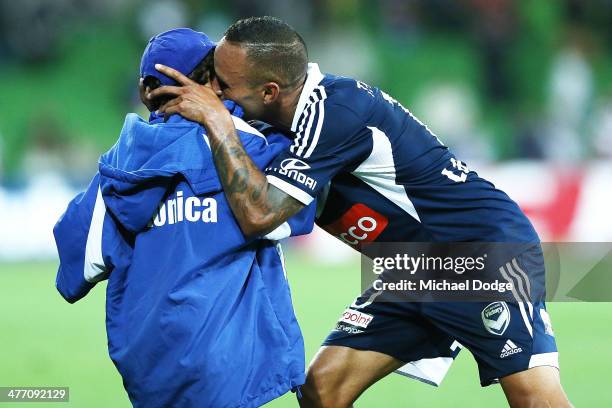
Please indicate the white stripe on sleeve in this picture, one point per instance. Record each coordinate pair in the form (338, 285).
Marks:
(281, 232)
(290, 189)
(94, 267)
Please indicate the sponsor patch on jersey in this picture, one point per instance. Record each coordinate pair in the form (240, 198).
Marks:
(547, 323)
(496, 317)
(355, 318)
(348, 328)
(293, 169)
(359, 225)
(294, 164)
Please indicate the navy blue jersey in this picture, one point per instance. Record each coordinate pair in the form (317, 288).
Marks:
(385, 175)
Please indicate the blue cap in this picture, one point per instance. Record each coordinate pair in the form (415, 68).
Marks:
(181, 49)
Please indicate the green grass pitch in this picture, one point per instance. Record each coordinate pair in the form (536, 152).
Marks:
(47, 342)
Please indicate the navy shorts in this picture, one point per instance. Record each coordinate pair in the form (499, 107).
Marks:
(504, 337)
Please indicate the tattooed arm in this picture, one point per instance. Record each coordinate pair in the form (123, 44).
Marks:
(258, 206)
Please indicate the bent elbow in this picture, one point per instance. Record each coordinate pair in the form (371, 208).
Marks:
(250, 231)
(256, 227)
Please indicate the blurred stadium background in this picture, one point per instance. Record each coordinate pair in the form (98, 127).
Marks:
(521, 90)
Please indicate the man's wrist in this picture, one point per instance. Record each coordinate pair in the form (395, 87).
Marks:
(220, 124)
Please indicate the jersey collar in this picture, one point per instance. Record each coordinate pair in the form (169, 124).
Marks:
(313, 77)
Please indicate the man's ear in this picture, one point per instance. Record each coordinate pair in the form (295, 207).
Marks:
(271, 90)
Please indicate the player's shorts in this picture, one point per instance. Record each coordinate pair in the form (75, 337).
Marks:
(504, 337)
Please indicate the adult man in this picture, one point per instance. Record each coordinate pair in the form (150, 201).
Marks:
(197, 314)
(367, 144)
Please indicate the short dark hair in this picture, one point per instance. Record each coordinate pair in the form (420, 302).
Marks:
(201, 74)
(277, 51)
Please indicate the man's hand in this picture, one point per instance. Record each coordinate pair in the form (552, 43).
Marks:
(192, 101)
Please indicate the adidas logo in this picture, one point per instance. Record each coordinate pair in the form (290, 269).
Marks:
(509, 349)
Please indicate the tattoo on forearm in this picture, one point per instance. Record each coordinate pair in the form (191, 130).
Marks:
(246, 188)
(239, 181)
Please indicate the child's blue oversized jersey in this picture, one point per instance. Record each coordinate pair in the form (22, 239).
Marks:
(386, 168)
(196, 314)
